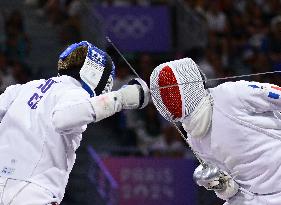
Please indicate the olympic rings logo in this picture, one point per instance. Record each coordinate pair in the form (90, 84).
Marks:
(129, 26)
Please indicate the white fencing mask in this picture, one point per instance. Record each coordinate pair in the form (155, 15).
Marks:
(98, 70)
(177, 88)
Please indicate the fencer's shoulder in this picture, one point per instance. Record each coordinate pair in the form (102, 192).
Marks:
(13, 87)
(228, 93)
(234, 93)
(234, 83)
(12, 90)
(233, 86)
(66, 83)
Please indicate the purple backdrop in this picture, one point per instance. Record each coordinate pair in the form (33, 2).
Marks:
(137, 28)
(150, 181)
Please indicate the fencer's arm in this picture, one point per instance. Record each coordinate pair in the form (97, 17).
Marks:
(260, 97)
(76, 112)
(7, 98)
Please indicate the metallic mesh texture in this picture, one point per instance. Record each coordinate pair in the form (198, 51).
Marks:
(185, 89)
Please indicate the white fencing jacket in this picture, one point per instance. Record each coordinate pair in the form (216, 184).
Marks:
(244, 138)
(41, 126)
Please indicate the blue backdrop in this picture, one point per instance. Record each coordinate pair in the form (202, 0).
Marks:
(137, 28)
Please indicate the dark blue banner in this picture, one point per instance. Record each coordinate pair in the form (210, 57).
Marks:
(137, 28)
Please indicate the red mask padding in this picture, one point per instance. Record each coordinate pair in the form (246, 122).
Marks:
(171, 96)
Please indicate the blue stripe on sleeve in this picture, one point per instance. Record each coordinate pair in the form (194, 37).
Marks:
(273, 95)
(254, 86)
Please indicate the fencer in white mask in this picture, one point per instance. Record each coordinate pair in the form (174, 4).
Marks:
(189, 103)
(232, 127)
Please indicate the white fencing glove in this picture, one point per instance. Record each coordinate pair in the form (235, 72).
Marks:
(212, 178)
(132, 98)
(135, 95)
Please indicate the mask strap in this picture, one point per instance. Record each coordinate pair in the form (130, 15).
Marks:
(105, 75)
(87, 88)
